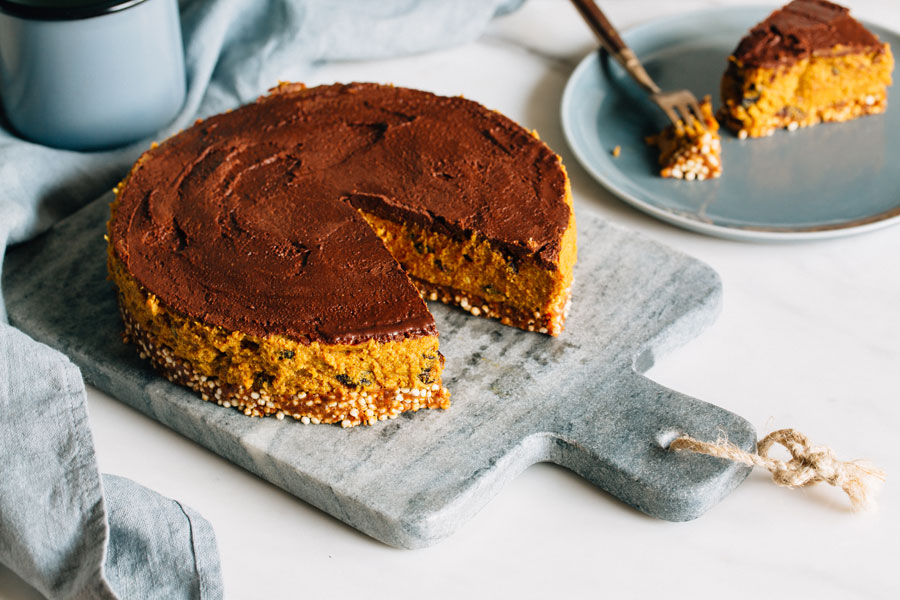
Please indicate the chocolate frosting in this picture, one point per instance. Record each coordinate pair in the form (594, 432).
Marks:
(248, 219)
(800, 29)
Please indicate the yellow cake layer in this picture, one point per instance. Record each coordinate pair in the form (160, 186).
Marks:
(837, 87)
(276, 364)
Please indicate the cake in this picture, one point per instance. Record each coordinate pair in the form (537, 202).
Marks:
(691, 150)
(275, 258)
(807, 63)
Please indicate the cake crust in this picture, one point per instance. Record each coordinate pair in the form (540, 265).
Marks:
(347, 408)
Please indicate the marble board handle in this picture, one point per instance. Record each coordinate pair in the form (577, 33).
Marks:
(622, 450)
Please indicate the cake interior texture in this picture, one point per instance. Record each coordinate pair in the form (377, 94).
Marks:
(808, 62)
(691, 150)
(469, 273)
(350, 359)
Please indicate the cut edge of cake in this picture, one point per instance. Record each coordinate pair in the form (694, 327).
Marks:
(472, 274)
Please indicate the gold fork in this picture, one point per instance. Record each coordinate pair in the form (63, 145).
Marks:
(679, 105)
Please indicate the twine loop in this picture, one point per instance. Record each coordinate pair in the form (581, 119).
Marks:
(808, 465)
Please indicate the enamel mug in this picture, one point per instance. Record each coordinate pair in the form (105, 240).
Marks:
(90, 74)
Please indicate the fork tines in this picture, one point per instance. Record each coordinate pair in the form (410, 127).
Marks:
(679, 105)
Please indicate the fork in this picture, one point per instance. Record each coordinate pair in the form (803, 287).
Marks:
(679, 105)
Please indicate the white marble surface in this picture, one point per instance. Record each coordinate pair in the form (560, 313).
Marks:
(809, 337)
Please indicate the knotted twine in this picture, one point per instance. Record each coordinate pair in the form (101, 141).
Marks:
(808, 464)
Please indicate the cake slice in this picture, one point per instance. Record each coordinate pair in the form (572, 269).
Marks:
(274, 258)
(808, 62)
(690, 150)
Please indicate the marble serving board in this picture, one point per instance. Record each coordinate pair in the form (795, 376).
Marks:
(578, 400)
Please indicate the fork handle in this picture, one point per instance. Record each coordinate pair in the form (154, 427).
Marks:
(612, 42)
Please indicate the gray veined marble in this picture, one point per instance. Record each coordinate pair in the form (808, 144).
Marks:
(518, 398)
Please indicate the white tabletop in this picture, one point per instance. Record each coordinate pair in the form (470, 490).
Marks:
(809, 337)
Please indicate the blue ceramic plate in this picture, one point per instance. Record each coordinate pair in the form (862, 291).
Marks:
(830, 180)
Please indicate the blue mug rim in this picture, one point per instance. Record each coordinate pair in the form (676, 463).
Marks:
(37, 12)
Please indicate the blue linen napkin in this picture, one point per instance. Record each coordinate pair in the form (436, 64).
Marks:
(64, 528)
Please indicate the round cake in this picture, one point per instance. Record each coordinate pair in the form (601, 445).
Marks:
(274, 258)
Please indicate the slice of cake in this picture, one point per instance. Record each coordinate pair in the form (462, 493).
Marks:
(273, 258)
(691, 150)
(806, 63)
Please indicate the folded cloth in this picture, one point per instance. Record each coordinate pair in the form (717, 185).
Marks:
(64, 528)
